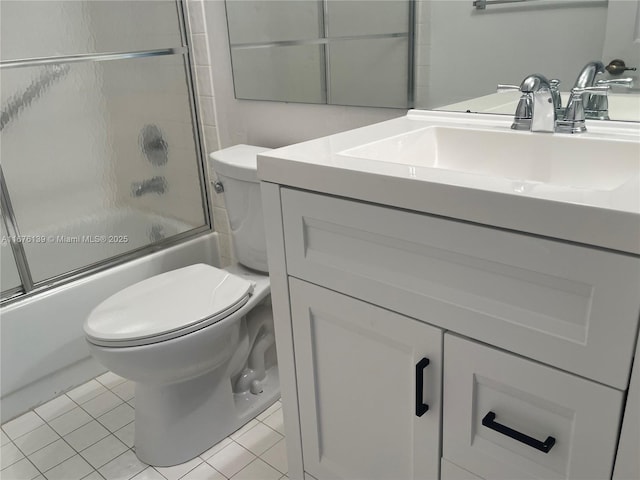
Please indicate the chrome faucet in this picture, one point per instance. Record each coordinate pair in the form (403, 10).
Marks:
(595, 106)
(574, 117)
(598, 106)
(536, 110)
(152, 185)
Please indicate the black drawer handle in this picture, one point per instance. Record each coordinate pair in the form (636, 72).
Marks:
(421, 407)
(488, 421)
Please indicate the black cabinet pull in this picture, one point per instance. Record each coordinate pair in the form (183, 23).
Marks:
(421, 407)
(489, 422)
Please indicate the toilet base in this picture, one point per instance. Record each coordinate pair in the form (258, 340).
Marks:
(175, 423)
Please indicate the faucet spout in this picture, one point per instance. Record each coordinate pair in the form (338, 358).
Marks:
(543, 116)
(587, 76)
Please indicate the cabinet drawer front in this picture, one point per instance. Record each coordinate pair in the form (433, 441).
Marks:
(561, 304)
(533, 406)
(358, 371)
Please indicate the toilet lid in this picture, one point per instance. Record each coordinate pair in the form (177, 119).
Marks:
(166, 306)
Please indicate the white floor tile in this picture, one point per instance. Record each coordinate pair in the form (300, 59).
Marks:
(4, 437)
(55, 407)
(110, 379)
(241, 431)
(123, 467)
(36, 439)
(93, 476)
(86, 392)
(52, 455)
(269, 411)
(22, 470)
(257, 470)
(259, 439)
(132, 402)
(231, 459)
(9, 454)
(275, 421)
(126, 390)
(86, 435)
(73, 468)
(102, 404)
(127, 434)
(117, 418)
(21, 425)
(104, 451)
(70, 421)
(216, 448)
(204, 472)
(148, 473)
(276, 456)
(177, 471)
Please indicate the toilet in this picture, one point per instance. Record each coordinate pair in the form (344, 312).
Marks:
(197, 341)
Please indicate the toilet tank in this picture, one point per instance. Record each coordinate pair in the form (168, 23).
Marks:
(236, 168)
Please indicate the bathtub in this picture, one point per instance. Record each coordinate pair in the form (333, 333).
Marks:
(42, 348)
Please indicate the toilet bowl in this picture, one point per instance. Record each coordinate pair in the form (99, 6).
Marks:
(197, 341)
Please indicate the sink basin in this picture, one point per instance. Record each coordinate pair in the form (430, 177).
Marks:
(574, 161)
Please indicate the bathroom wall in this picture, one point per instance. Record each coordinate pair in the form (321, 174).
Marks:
(207, 100)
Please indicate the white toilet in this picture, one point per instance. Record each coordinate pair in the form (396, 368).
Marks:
(198, 341)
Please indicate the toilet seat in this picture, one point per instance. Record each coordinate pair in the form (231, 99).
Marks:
(167, 306)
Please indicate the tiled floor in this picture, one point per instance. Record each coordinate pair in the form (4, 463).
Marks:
(88, 434)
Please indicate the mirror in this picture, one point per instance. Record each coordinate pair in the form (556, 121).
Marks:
(434, 54)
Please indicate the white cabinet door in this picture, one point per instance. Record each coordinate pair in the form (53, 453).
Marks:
(450, 471)
(364, 386)
(509, 418)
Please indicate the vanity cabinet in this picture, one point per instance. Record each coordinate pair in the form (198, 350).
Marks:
(529, 338)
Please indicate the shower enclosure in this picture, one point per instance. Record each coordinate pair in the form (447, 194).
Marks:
(101, 159)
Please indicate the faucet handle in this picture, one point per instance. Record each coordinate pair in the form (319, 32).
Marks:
(599, 90)
(574, 117)
(524, 110)
(554, 83)
(618, 82)
(507, 88)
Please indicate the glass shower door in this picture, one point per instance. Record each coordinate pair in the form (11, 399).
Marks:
(10, 282)
(98, 138)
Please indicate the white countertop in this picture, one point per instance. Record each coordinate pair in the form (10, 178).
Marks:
(622, 106)
(602, 218)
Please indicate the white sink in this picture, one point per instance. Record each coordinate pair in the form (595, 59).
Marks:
(573, 161)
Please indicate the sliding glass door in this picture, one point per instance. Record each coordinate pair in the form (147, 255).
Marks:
(98, 134)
